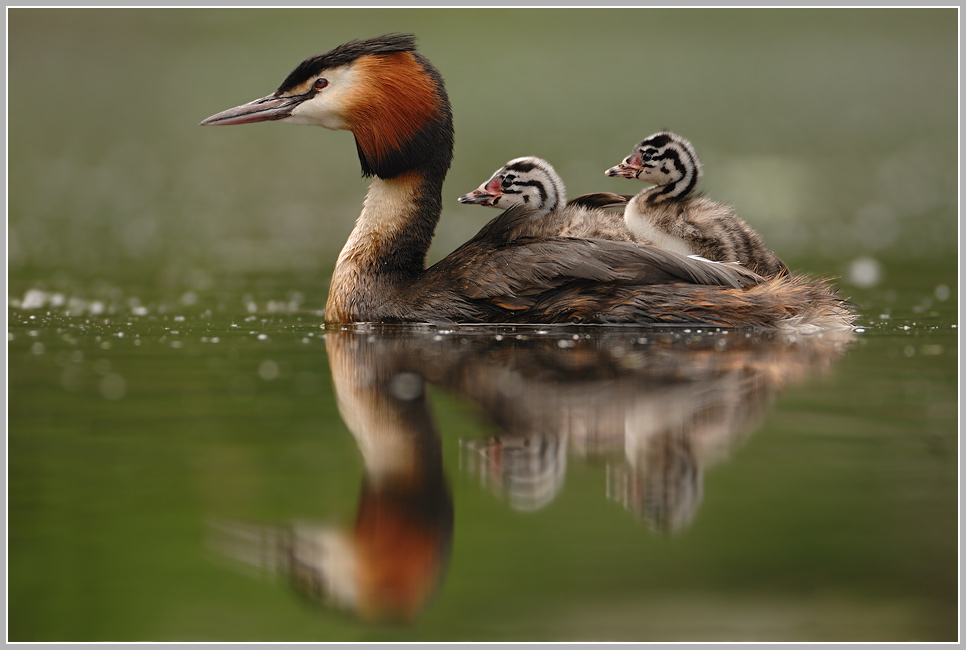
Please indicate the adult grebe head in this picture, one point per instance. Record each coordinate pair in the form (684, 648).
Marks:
(390, 97)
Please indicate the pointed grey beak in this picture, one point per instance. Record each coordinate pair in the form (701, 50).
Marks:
(261, 110)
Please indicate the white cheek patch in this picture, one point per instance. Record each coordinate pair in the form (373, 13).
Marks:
(330, 107)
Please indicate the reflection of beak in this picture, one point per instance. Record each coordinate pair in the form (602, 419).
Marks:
(624, 170)
(480, 196)
(261, 110)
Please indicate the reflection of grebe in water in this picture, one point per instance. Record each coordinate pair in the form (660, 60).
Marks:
(394, 102)
(658, 406)
(392, 560)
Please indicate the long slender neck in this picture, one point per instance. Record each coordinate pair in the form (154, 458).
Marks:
(403, 127)
(387, 248)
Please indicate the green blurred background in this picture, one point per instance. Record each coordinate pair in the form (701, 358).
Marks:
(831, 131)
(157, 269)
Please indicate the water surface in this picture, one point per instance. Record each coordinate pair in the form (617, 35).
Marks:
(188, 475)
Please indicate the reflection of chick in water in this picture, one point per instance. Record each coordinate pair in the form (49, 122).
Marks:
(670, 404)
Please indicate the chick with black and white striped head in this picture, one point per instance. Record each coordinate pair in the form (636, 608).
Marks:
(672, 217)
(527, 181)
(534, 184)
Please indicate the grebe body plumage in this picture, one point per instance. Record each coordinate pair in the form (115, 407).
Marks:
(394, 102)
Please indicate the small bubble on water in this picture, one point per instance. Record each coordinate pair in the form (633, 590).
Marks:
(113, 386)
(268, 370)
(564, 344)
(37, 348)
(139, 310)
(942, 292)
(262, 337)
(909, 351)
(176, 345)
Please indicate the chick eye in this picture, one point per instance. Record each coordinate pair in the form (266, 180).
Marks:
(507, 182)
(320, 83)
(645, 156)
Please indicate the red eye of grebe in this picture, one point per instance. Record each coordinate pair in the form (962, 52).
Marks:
(320, 83)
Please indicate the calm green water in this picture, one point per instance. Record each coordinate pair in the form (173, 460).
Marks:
(192, 457)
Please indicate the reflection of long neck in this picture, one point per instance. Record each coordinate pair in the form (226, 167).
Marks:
(385, 408)
(405, 518)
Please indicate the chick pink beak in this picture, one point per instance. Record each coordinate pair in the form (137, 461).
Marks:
(624, 170)
(485, 194)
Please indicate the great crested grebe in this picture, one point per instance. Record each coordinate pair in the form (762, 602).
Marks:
(394, 102)
(672, 217)
(531, 182)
